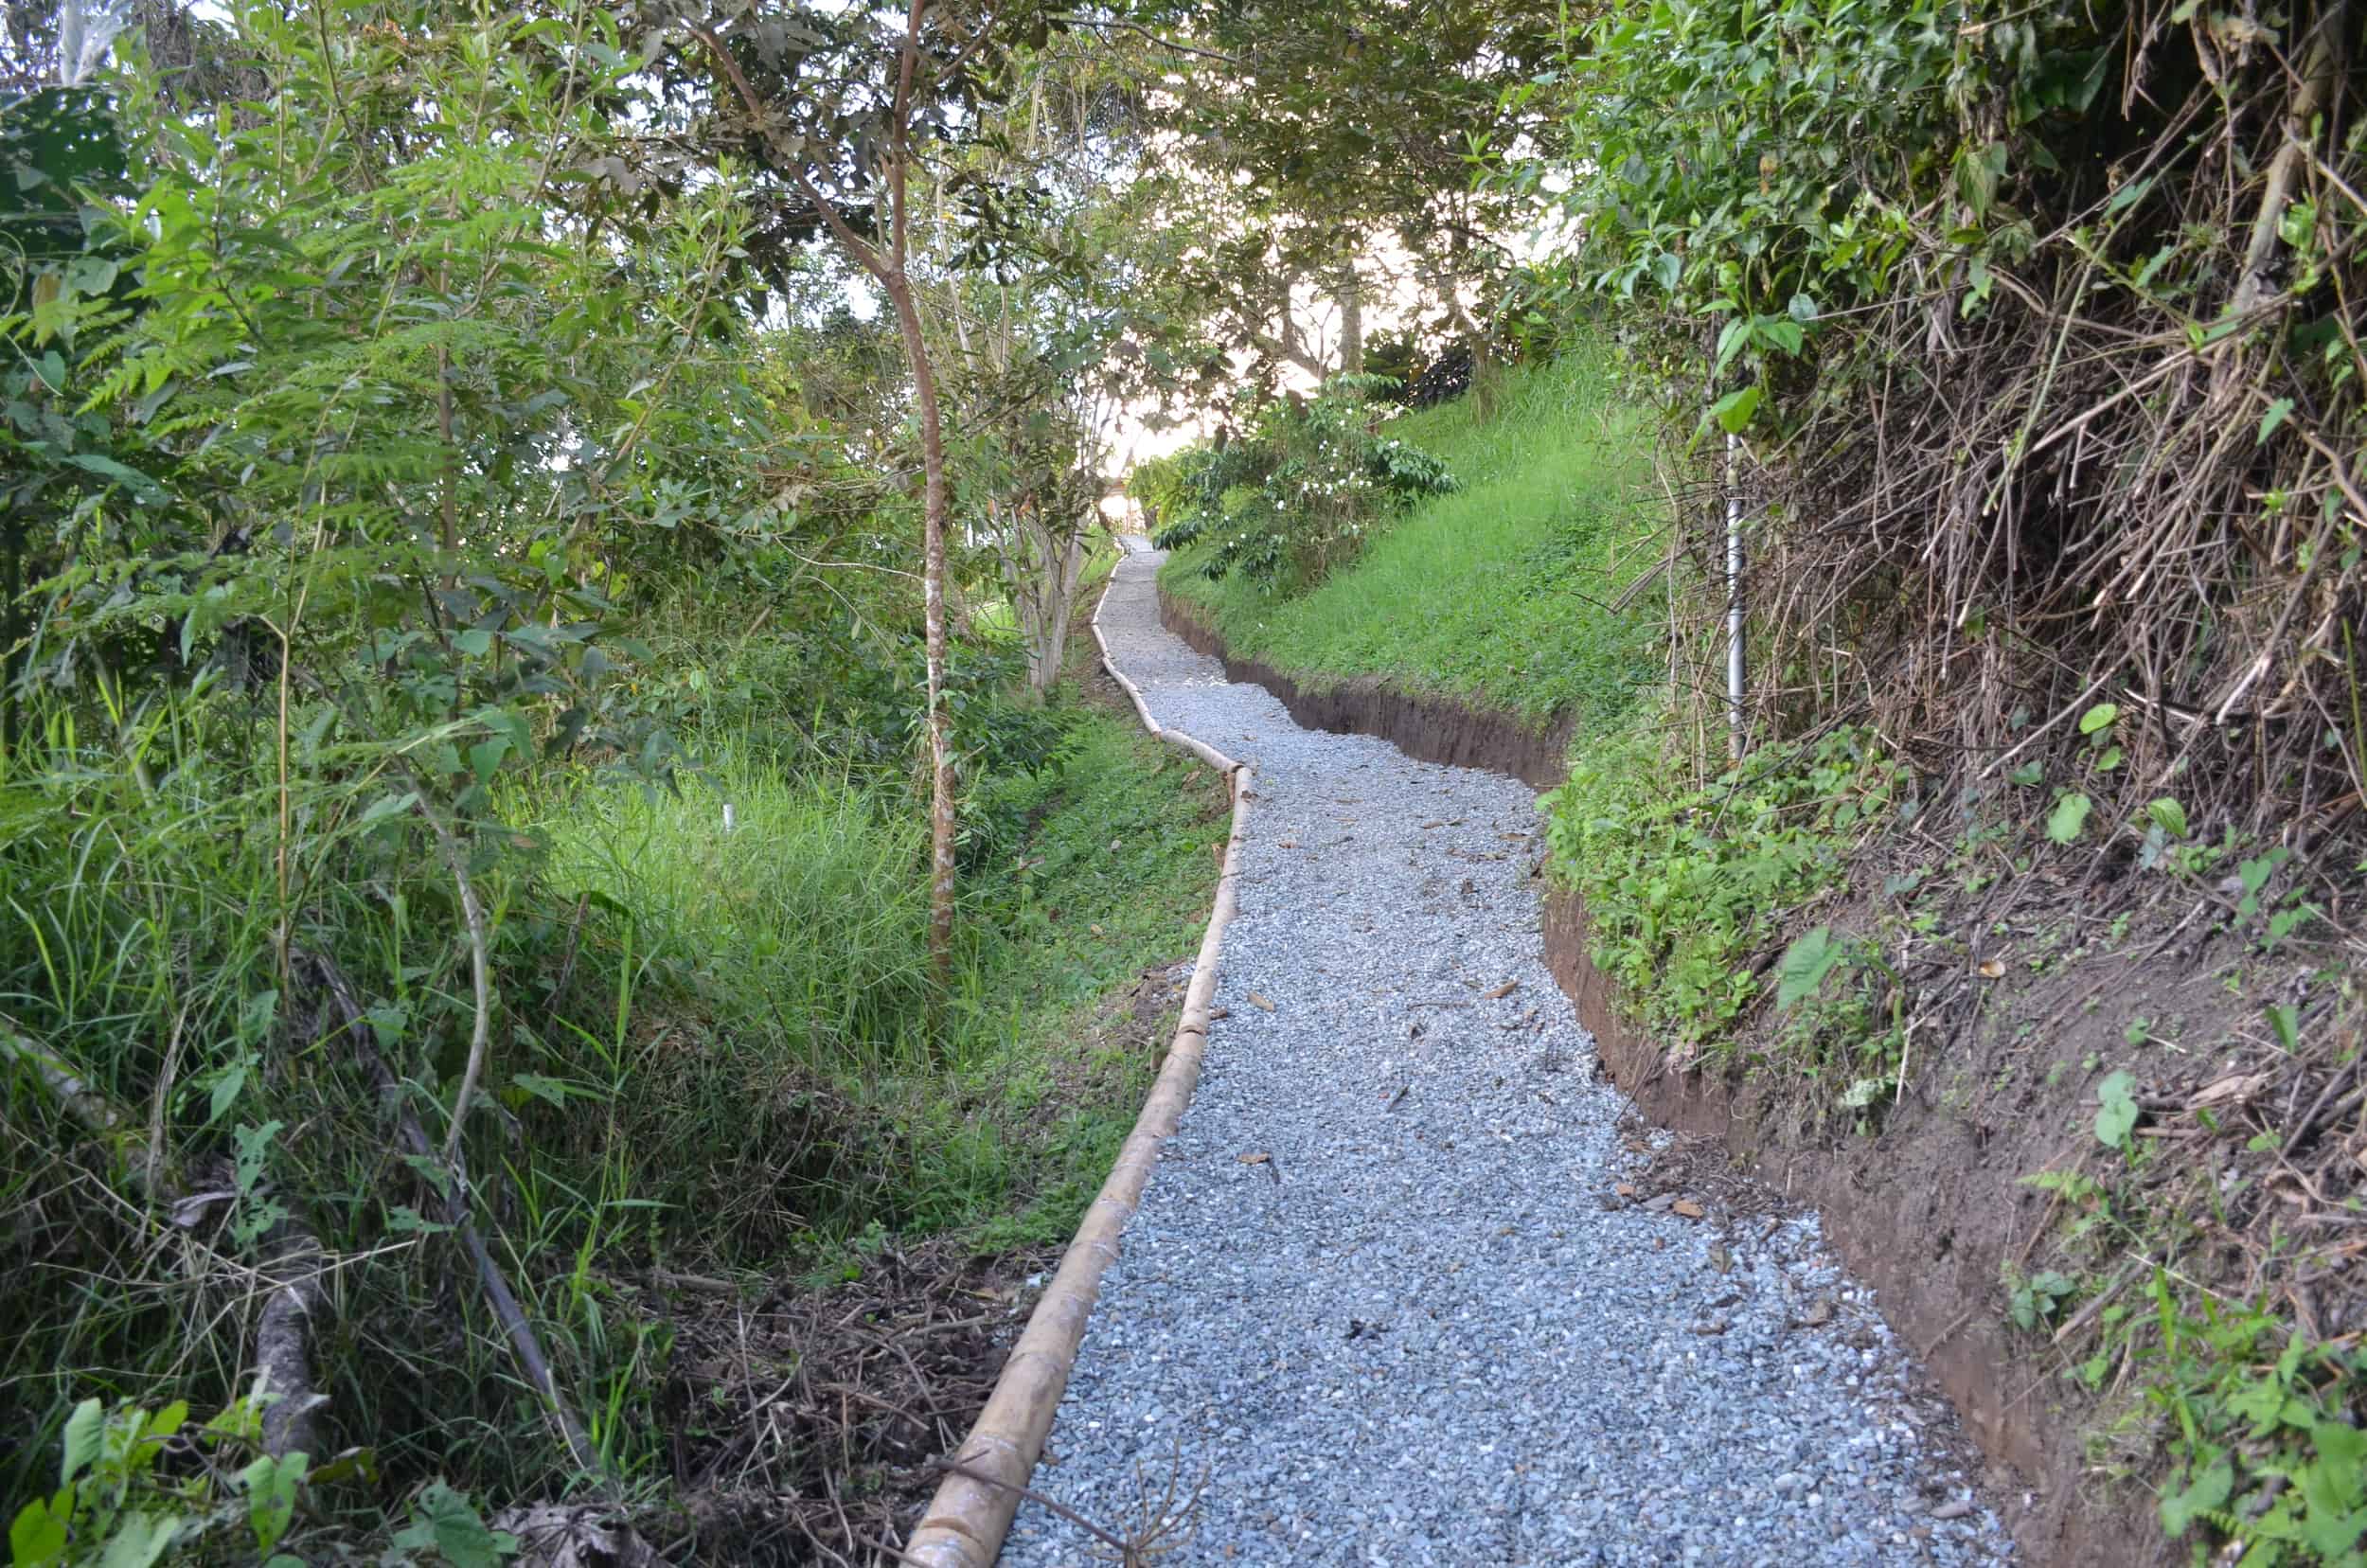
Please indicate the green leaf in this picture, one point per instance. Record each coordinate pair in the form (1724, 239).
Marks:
(2286, 1020)
(475, 642)
(2098, 717)
(37, 1538)
(139, 1540)
(139, 484)
(556, 1090)
(388, 806)
(2343, 1450)
(403, 1220)
(453, 1528)
(2278, 411)
(2117, 1120)
(2029, 772)
(1802, 309)
(2068, 816)
(85, 1434)
(1812, 957)
(1733, 412)
(270, 1489)
(2169, 815)
(511, 726)
(2207, 1493)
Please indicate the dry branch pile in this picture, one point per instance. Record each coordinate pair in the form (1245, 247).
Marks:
(2112, 454)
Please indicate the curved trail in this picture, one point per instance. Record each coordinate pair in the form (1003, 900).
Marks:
(1414, 1333)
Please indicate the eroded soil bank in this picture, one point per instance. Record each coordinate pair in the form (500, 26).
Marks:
(1931, 1212)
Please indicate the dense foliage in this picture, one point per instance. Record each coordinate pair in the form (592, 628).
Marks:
(2014, 306)
(459, 812)
(1295, 495)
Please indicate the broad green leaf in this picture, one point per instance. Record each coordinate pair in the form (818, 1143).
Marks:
(139, 1540)
(1812, 956)
(2097, 717)
(85, 1434)
(388, 806)
(2206, 1493)
(456, 1530)
(2169, 815)
(139, 484)
(1733, 412)
(37, 1537)
(2278, 412)
(2068, 816)
(271, 1490)
(2117, 1120)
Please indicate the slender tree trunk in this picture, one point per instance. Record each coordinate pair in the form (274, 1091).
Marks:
(941, 812)
(1351, 297)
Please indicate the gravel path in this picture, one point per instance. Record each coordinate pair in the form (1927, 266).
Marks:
(1417, 1332)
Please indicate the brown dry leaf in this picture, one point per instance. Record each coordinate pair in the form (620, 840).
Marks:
(1258, 999)
(1501, 991)
(1214, 1013)
(1287, 843)
(1095, 930)
(2235, 1086)
(1427, 826)
(1687, 1207)
(1624, 1189)
(1255, 1157)
(1992, 969)
(1720, 1259)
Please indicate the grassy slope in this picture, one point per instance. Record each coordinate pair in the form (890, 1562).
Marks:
(790, 950)
(1484, 594)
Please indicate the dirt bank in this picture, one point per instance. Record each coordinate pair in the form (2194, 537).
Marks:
(1931, 1212)
(1434, 729)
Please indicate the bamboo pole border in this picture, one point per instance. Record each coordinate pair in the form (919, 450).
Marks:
(970, 1513)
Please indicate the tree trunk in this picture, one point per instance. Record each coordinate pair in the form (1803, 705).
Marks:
(941, 810)
(1351, 296)
(888, 271)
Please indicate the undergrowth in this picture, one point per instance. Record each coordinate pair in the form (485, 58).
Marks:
(713, 1054)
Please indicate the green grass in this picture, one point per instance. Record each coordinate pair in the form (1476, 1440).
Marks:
(710, 1051)
(1498, 592)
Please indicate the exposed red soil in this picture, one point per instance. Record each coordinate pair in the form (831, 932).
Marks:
(1430, 728)
(1928, 1211)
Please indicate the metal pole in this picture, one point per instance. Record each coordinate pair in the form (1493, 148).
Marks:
(1734, 596)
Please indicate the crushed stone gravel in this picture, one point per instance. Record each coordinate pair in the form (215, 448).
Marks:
(1414, 1333)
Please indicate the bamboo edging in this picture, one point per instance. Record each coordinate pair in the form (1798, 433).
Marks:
(968, 1519)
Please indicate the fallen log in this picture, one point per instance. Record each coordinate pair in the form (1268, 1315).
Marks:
(362, 1042)
(283, 1333)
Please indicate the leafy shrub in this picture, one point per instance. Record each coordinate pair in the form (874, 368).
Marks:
(1683, 884)
(1299, 495)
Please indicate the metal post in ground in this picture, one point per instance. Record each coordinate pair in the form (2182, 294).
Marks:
(1735, 661)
